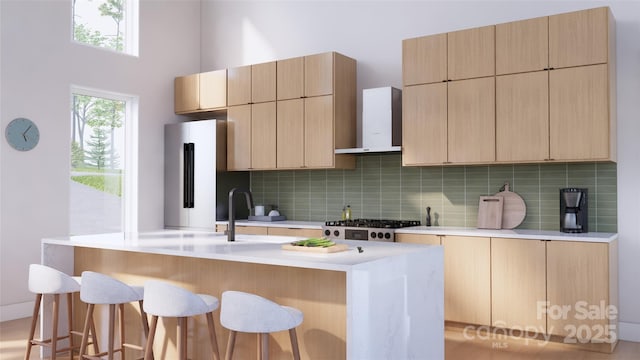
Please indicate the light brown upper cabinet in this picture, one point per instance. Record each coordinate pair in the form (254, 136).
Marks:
(522, 46)
(581, 38)
(239, 138)
(424, 124)
(263, 135)
(424, 60)
(252, 84)
(200, 92)
(449, 123)
(290, 134)
(316, 121)
(471, 53)
(471, 121)
(579, 108)
(555, 80)
(263, 82)
(319, 148)
(251, 136)
(267, 128)
(318, 74)
(522, 117)
(239, 85)
(457, 55)
(290, 78)
(186, 95)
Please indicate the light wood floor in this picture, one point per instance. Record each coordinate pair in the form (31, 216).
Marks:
(13, 335)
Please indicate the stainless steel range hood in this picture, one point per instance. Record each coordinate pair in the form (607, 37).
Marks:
(381, 121)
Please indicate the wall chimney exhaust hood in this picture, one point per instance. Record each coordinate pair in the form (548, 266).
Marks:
(381, 121)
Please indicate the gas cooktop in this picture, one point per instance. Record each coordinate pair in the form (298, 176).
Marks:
(365, 229)
(374, 223)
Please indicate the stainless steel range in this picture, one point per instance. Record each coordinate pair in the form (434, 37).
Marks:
(365, 229)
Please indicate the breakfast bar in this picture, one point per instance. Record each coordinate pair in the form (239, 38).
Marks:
(373, 300)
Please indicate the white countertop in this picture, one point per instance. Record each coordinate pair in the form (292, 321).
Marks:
(285, 223)
(459, 231)
(514, 233)
(260, 249)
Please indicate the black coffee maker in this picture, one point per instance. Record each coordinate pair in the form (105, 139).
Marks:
(573, 210)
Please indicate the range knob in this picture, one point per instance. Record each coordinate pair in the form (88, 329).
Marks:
(336, 233)
(380, 235)
(327, 232)
(387, 236)
(373, 235)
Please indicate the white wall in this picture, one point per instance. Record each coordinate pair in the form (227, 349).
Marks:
(240, 33)
(39, 63)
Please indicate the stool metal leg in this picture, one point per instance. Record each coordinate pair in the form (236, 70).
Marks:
(212, 336)
(230, 344)
(34, 321)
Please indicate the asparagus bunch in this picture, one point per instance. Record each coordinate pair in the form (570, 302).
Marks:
(314, 242)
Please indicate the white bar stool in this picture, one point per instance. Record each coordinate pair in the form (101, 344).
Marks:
(249, 313)
(166, 300)
(100, 289)
(47, 280)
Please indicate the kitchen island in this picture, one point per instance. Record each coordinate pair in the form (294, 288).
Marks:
(383, 302)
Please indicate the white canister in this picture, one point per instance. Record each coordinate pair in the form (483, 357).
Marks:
(259, 210)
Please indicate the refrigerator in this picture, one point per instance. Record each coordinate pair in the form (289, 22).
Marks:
(196, 183)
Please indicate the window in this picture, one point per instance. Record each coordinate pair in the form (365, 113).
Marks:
(103, 169)
(110, 24)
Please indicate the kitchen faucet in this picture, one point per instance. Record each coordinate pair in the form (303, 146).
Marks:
(231, 230)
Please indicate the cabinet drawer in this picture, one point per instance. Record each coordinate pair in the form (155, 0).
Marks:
(295, 232)
(425, 239)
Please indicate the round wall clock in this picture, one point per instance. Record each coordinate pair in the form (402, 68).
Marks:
(22, 134)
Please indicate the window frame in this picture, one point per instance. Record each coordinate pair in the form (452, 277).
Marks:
(131, 23)
(129, 210)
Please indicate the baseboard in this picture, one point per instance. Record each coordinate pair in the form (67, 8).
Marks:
(629, 331)
(16, 311)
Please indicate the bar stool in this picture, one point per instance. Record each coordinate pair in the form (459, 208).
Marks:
(249, 313)
(166, 300)
(47, 280)
(100, 289)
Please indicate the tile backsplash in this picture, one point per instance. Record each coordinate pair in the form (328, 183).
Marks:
(379, 187)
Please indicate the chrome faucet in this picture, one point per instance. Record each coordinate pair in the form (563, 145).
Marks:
(231, 230)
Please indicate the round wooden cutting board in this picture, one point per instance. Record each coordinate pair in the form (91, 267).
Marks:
(514, 209)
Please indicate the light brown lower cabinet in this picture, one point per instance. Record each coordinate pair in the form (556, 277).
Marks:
(518, 284)
(467, 279)
(252, 230)
(302, 232)
(269, 230)
(582, 290)
(568, 289)
(426, 239)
